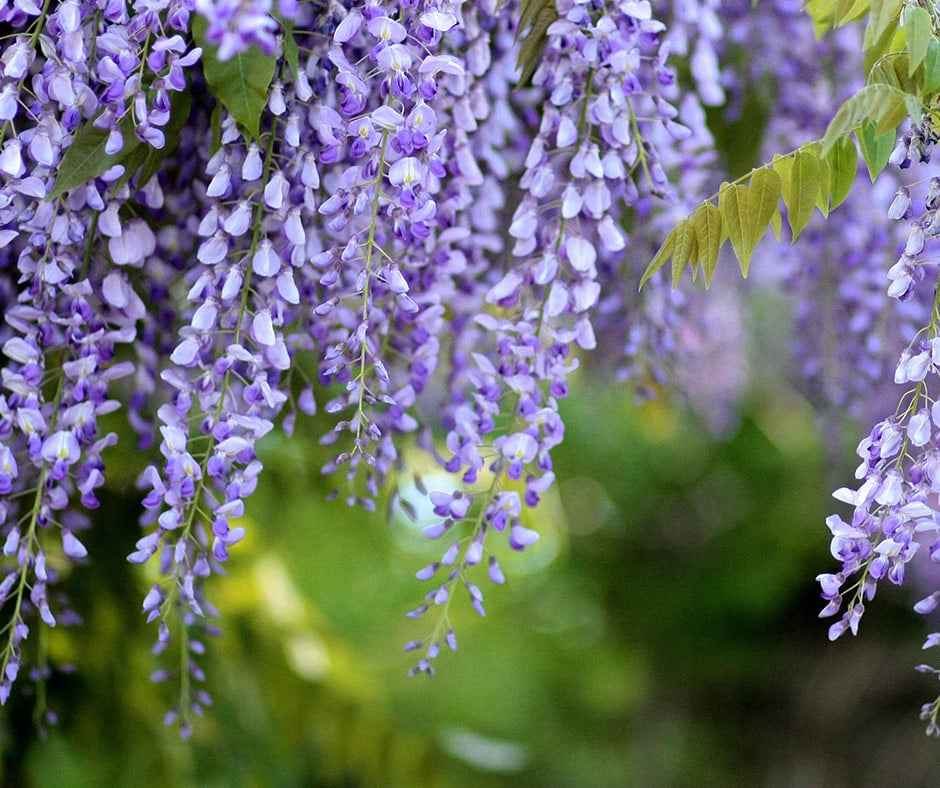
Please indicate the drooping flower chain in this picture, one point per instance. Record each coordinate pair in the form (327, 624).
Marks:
(895, 515)
(362, 225)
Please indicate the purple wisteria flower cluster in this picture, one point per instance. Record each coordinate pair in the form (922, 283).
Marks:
(217, 217)
(415, 219)
(895, 514)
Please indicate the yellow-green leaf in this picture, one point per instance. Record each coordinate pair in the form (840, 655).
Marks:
(918, 30)
(776, 224)
(708, 226)
(892, 70)
(850, 11)
(881, 103)
(888, 110)
(932, 68)
(732, 203)
(800, 190)
(822, 11)
(762, 203)
(843, 167)
(884, 14)
(876, 147)
(782, 165)
(840, 125)
(662, 256)
(685, 252)
(825, 184)
(915, 110)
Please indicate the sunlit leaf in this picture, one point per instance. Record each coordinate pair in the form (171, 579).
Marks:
(892, 69)
(889, 111)
(918, 31)
(876, 148)
(685, 253)
(932, 68)
(708, 227)
(822, 11)
(776, 224)
(884, 14)
(843, 167)
(745, 211)
(825, 184)
(762, 203)
(783, 166)
(850, 11)
(661, 257)
(800, 189)
(882, 104)
(733, 204)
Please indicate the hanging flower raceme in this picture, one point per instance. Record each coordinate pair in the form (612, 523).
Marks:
(595, 153)
(73, 309)
(253, 211)
(895, 514)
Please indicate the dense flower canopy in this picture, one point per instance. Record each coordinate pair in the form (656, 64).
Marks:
(418, 218)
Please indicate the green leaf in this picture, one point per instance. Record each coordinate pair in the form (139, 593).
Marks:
(889, 110)
(850, 11)
(803, 178)
(215, 124)
(876, 147)
(747, 210)
(291, 50)
(685, 252)
(664, 253)
(535, 17)
(843, 167)
(843, 121)
(241, 83)
(783, 166)
(914, 108)
(776, 224)
(932, 68)
(918, 31)
(800, 189)
(732, 204)
(762, 203)
(880, 103)
(892, 70)
(884, 14)
(708, 226)
(85, 159)
(825, 184)
(822, 11)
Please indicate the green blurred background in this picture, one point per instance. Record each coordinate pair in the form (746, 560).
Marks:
(663, 632)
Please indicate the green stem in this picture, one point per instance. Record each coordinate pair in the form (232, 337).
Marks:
(172, 600)
(367, 290)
